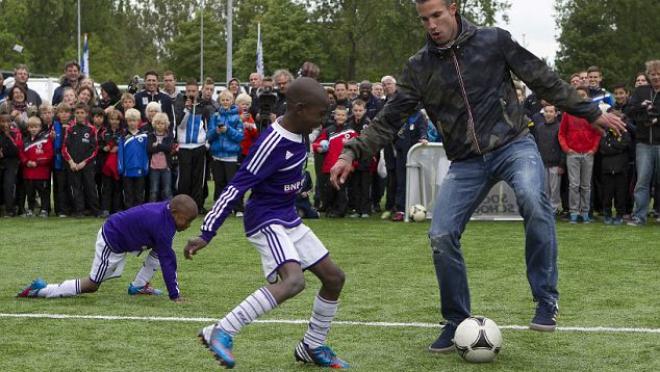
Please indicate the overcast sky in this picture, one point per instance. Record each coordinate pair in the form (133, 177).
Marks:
(535, 19)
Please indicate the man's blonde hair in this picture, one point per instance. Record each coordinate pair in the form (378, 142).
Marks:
(653, 65)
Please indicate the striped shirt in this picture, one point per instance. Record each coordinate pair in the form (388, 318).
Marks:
(273, 170)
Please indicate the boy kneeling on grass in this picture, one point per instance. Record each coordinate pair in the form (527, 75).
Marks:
(146, 226)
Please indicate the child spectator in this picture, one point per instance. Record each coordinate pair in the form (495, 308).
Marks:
(11, 142)
(250, 131)
(224, 136)
(98, 120)
(621, 98)
(547, 140)
(303, 205)
(79, 151)
(595, 92)
(46, 114)
(331, 142)
(579, 140)
(361, 177)
(150, 111)
(133, 160)
(61, 190)
(614, 151)
(36, 158)
(69, 97)
(161, 146)
(127, 102)
(112, 184)
(87, 96)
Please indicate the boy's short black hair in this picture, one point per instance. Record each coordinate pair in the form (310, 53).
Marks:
(619, 86)
(594, 69)
(584, 89)
(191, 81)
(81, 106)
(97, 111)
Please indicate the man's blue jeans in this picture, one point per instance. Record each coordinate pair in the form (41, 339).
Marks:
(648, 162)
(464, 187)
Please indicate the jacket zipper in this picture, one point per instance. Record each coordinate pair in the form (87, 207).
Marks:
(471, 127)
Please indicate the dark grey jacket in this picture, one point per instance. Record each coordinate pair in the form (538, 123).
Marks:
(468, 91)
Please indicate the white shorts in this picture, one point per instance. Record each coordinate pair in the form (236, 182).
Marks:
(277, 245)
(107, 264)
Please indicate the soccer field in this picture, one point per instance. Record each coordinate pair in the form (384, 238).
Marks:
(609, 277)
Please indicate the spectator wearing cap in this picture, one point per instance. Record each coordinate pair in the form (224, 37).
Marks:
(71, 78)
(373, 104)
(21, 76)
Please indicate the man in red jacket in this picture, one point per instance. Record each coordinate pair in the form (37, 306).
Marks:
(579, 140)
(36, 159)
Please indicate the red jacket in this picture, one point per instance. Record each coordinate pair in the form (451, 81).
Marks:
(250, 133)
(335, 146)
(38, 149)
(576, 134)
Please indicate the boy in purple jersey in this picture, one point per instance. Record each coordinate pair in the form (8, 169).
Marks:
(273, 170)
(146, 226)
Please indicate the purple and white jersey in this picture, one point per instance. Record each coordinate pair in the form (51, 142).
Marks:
(146, 226)
(274, 171)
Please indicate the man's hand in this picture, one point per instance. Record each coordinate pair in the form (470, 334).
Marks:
(340, 172)
(609, 121)
(193, 246)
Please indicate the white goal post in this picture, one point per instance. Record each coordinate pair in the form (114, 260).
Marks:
(426, 167)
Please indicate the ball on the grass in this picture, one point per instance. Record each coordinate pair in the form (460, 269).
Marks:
(478, 339)
(417, 213)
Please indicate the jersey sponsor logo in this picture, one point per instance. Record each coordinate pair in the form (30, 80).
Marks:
(293, 186)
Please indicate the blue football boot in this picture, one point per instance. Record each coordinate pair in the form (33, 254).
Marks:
(33, 289)
(322, 356)
(220, 343)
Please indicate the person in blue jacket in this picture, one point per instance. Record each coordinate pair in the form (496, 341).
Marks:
(133, 162)
(224, 136)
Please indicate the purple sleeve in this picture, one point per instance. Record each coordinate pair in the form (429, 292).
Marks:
(167, 259)
(251, 173)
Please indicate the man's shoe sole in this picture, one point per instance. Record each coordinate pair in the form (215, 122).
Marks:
(542, 327)
(443, 350)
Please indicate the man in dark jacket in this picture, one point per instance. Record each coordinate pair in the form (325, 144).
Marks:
(21, 76)
(644, 110)
(151, 93)
(486, 138)
(71, 78)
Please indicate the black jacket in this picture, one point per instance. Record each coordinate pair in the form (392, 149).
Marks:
(468, 87)
(143, 98)
(614, 152)
(547, 140)
(646, 118)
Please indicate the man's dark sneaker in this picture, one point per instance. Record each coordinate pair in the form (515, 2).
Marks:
(545, 319)
(445, 342)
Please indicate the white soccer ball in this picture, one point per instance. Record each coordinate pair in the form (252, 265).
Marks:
(478, 339)
(417, 213)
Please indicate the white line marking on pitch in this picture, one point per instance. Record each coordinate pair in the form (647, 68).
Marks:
(300, 321)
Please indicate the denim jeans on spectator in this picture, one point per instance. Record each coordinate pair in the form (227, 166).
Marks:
(580, 168)
(160, 181)
(648, 161)
(465, 186)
